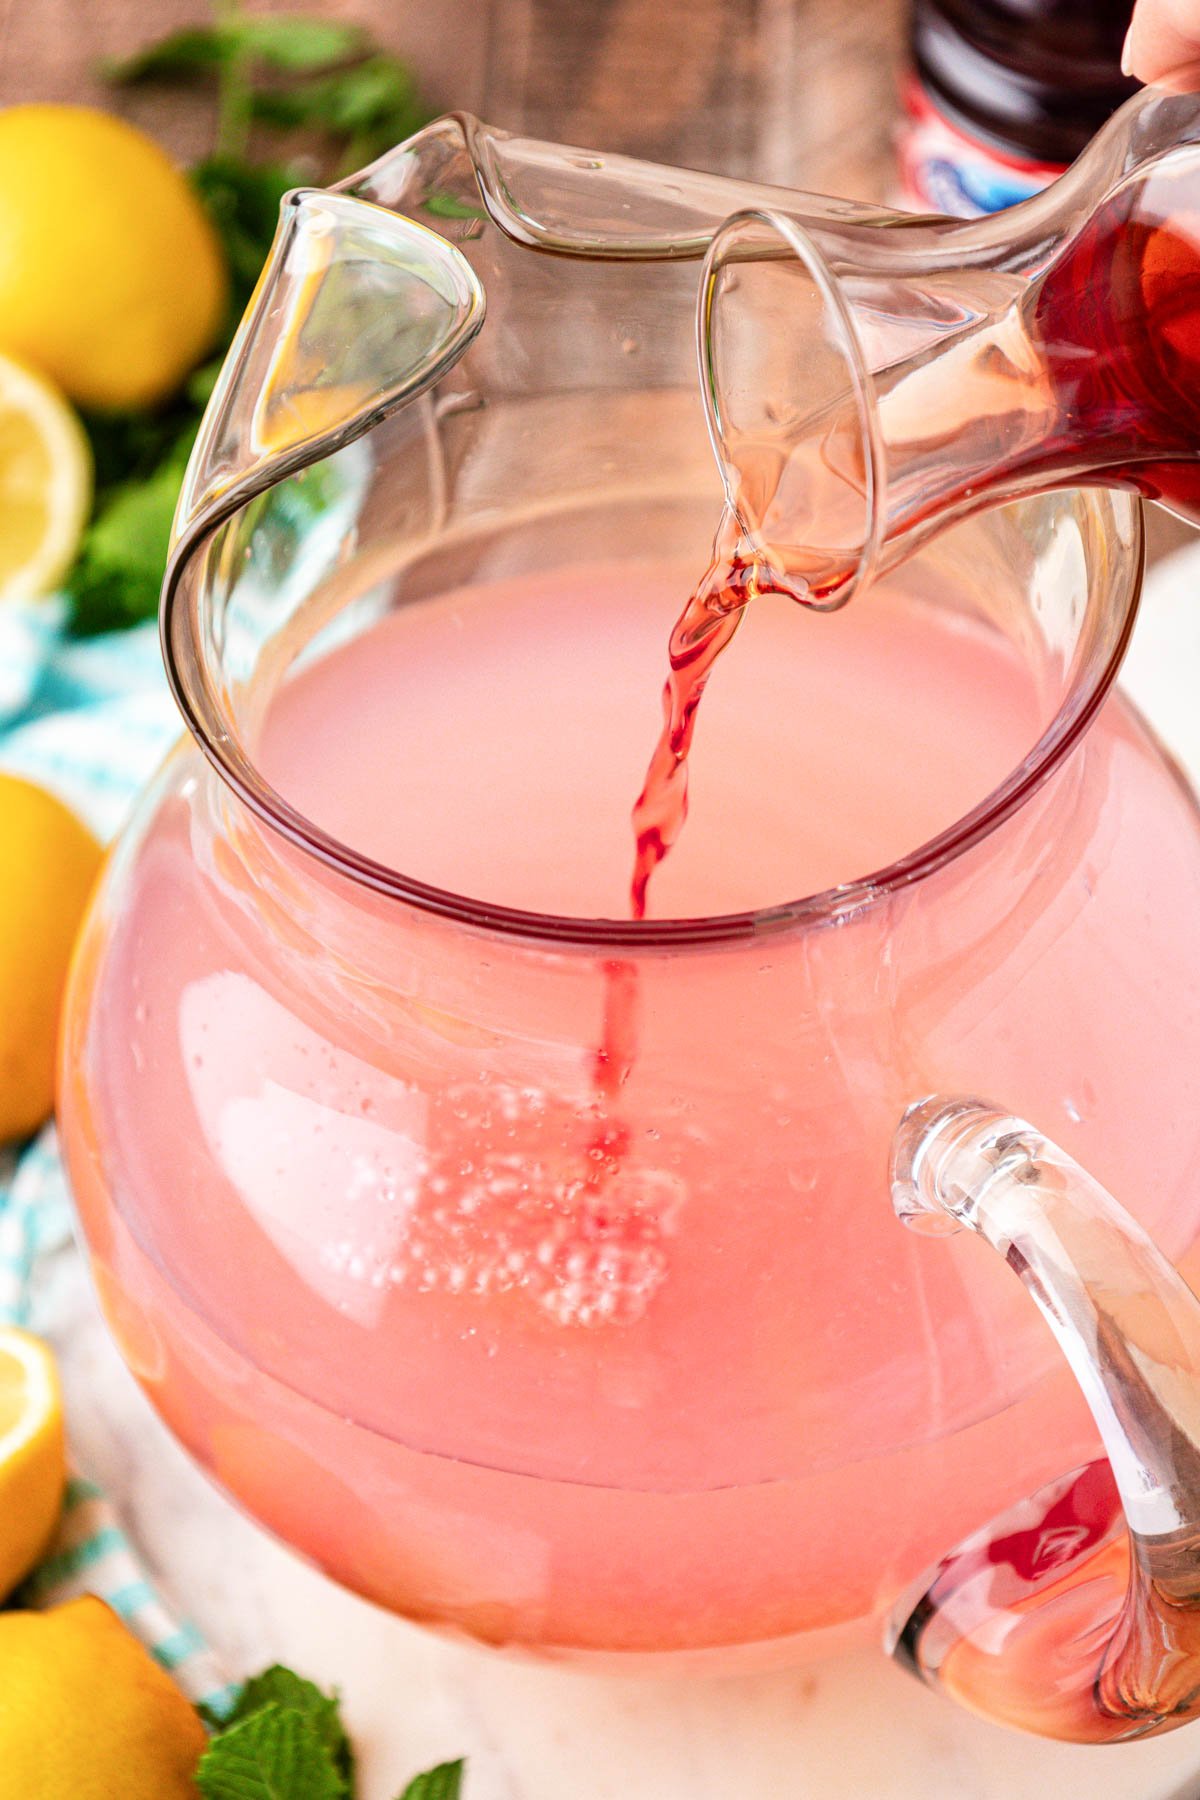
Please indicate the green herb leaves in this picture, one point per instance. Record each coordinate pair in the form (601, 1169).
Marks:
(140, 460)
(290, 72)
(117, 575)
(275, 1754)
(280, 1687)
(373, 104)
(243, 203)
(442, 1783)
(285, 1741)
(290, 42)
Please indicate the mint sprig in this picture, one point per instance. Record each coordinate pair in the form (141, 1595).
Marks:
(285, 1740)
(288, 71)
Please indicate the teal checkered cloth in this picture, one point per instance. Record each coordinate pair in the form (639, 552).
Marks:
(90, 720)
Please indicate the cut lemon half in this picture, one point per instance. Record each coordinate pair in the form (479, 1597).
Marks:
(32, 1454)
(45, 483)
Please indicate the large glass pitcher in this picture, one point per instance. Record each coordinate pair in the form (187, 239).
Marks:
(334, 1127)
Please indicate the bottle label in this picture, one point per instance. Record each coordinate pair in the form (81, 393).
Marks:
(944, 170)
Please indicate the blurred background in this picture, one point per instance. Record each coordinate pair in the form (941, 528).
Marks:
(791, 91)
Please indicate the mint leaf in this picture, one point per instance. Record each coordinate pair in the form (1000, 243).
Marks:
(442, 1783)
(197, 51)
(280, 1686)
(116, 577)
(276, 1754)
(242, 200)
(370, 105)
(290, 43)
(449, 206)
(284, 1740)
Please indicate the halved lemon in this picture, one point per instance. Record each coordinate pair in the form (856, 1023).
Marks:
(45, 482)
(32, 1454)
(49, 861)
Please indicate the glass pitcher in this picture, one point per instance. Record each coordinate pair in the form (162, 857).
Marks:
(332, 1127)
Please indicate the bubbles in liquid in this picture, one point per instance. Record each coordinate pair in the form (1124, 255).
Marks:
(519, 1200)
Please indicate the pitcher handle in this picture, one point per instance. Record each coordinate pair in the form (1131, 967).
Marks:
(1076, 1614)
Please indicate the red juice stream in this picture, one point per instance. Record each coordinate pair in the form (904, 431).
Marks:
(702, 631)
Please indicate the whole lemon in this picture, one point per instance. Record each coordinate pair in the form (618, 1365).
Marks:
(112, 281)
(87, 1714)
(48, 862)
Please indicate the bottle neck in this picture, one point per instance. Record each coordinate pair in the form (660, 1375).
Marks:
(1030, 82)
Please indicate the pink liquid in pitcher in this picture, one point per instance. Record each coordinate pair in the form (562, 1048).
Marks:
(506, 733)
(644, 1365)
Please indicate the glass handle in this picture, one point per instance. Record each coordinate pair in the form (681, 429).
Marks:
(1077, 1614)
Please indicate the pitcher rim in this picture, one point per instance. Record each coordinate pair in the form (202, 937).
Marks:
(827, 906)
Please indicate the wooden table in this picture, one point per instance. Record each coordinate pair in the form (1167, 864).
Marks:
(794, 91)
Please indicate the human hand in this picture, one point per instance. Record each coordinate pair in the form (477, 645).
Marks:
(1163, 45)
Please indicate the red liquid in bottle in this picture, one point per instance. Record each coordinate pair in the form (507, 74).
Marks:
(1117, 320)
(1093, 379)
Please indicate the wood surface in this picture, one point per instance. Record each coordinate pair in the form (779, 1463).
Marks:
(795, 91)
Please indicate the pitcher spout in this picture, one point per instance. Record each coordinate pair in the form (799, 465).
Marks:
(358, 311)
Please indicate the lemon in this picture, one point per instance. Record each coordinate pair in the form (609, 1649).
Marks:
(87, 1714)
(32, 1455)
(112, 281)
(45, 482)
(48, 862)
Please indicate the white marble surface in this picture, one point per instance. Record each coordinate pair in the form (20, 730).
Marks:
(854, 1728)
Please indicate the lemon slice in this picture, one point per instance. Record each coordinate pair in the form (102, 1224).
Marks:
(32, 1454)
(45, 483)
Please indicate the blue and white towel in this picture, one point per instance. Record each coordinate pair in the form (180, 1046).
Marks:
(89, 719)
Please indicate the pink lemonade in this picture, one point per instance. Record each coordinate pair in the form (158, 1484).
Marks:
(645, 1366)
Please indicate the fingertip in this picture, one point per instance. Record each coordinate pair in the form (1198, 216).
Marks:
(1160, 49)
(1127, 53)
